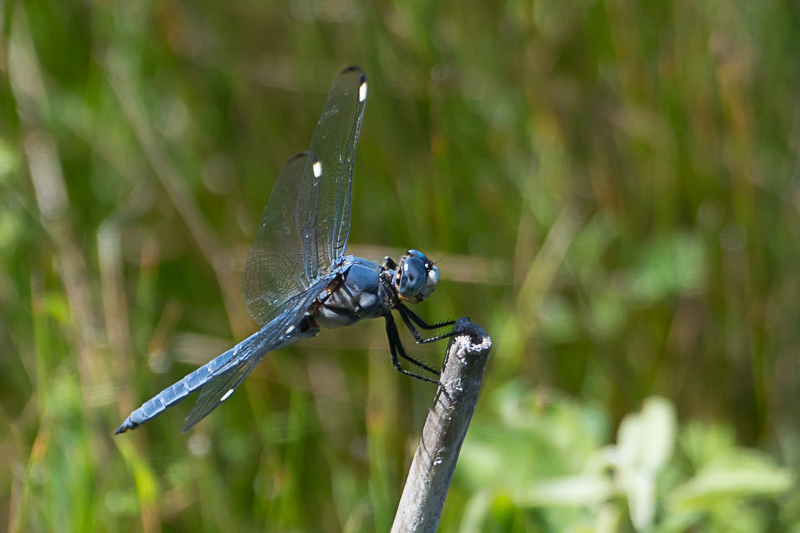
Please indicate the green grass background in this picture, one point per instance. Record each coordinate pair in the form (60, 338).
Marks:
(610, 188)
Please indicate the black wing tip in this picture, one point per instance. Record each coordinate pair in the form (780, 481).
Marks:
(298, 155)
(303, 155)
(355, 68)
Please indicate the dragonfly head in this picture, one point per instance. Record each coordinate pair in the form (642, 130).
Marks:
(416, 277)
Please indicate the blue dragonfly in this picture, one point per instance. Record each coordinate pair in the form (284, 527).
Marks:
(298, 279)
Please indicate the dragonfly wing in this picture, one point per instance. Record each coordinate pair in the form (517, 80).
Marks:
(334, 143)
(219, 389)
(305, 224)
(227, 371)
(180, 390)
(280, 332)
(279, 265)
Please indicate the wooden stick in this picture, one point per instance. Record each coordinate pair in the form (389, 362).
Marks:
(436, 456)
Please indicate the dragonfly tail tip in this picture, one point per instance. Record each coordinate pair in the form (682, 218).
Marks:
(125, 426)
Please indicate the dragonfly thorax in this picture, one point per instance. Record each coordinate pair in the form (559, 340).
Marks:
(415, 278)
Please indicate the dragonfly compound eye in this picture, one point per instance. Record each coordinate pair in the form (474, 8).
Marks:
(412, 277)
(417, 278)
(431, 281)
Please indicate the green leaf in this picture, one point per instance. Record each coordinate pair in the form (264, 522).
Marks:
(737, 475)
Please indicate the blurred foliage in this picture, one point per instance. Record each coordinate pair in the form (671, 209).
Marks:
(611, 189)
(648, 481)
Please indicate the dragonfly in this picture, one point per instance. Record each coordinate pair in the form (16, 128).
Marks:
(298, 278)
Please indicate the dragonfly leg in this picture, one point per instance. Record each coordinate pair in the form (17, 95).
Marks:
(396, 348)
(421, 323)
(389, 264)
(410, 318)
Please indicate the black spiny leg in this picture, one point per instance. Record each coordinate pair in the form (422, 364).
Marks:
(409, 316)
(396, 348)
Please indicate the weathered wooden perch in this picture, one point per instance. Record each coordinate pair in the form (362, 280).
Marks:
(436, 456)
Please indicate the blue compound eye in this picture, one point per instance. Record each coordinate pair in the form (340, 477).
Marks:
(432, 280)
(417, 277)
(413, 276)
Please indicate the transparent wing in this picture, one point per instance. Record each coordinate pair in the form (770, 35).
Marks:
(283, 260)
(217, 391)
(281, 332)
(334, 143)
(226, 372)
(306, 221)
